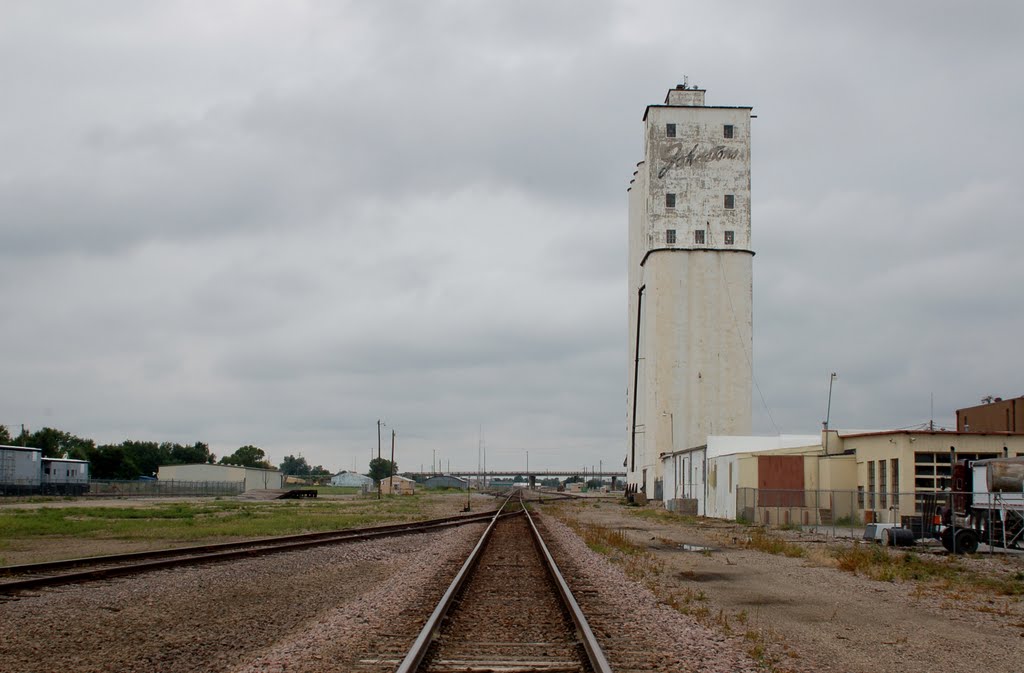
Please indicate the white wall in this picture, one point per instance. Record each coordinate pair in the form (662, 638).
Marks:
(685, 476)
(254, 478)
(704, 473)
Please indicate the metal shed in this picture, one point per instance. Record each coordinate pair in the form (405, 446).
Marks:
(445, 481)
(346, 478)
(20, 469)
(397, 485)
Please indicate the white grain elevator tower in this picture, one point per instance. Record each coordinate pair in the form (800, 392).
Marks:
(690, 283)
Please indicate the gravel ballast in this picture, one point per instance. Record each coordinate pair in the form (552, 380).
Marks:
(223, 616)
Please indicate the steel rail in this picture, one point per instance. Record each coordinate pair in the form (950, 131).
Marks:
(432, 629)
(188, 556)
(594, 653)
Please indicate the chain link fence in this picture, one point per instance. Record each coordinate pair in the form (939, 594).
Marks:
(959, 520)
(110, 488)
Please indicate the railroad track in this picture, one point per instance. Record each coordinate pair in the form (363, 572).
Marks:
(18, 578)
(508, 610)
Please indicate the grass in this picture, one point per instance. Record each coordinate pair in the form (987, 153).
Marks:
(662, 515)
(636, 561)
(770, 544)
(335, 490)
(950, 572)
(199, 520)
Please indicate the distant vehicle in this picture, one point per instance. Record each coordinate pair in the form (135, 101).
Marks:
(24, 471)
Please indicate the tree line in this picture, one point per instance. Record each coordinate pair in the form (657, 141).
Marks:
(132, 459)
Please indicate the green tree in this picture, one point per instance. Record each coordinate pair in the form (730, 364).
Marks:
(110, 461)
(5, 435)
(320, 471)
(145, 457)
(382, 468)
(197, 453)
(55, 443)
(296, 466)
(248, 456)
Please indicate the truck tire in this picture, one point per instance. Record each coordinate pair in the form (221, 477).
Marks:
(965, 541)
(946, 538)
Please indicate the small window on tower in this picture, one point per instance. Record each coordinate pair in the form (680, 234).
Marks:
(730, 201)
(730, 238)
(727, 131)
(670, 236)
(698, 237)
(670, 200)
(670, 130)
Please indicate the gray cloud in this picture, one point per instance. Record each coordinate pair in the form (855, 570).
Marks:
(277, 225)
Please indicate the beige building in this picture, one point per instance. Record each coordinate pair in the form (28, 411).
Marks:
(397, 485)
(254, 478)
(791, 479)
(895, 465)
(690, 283)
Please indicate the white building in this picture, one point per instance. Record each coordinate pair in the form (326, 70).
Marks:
(690, 283)
(711, 474)
(345, 478)
(254, 477)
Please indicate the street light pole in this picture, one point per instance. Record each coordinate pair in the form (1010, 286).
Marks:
(828, 408)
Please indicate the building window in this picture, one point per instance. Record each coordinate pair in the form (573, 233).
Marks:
(670, 236)
(883, 501)
(860, 497)
(698, 237)
(670, 130)
(871, 484)
(730, 201)
(730, 237)
(894, 471)
(670, 200)
(727, 131)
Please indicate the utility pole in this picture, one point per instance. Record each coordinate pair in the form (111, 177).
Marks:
(378, 457)
(391, 467)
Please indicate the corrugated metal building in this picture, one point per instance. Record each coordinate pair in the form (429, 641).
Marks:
(346, 478)
(445, 481)
(254, 477)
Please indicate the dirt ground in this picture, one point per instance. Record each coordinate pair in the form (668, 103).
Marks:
(810, 615)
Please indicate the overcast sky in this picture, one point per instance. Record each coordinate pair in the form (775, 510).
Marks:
(275, 223)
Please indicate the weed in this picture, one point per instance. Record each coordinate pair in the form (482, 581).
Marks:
(638, 564)
(770, 544)
(663, 515)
